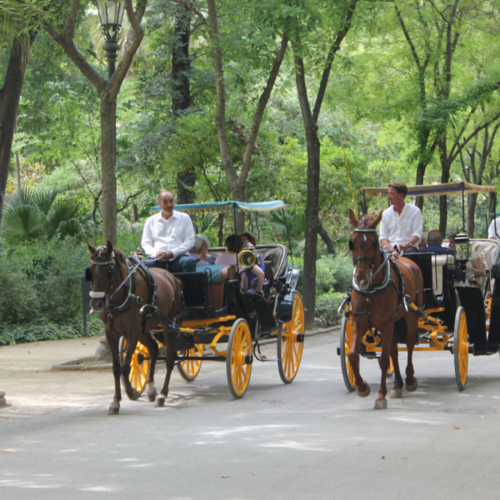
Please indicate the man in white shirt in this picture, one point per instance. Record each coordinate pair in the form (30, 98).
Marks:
(402, 226)
(494, 229)
(167, 236)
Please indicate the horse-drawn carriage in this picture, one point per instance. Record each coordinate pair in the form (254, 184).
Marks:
(219, 320)
(460, 315)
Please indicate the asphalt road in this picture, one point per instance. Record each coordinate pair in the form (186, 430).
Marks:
(308, 440)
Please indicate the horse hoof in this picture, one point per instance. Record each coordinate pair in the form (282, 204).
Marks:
(114, 409)
(151, 392)
(364, 394)
(160, 402)
(396, 393)
(134, 395)
(381, 404)
(413, 387)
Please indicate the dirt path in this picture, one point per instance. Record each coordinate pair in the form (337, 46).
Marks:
(32, 388)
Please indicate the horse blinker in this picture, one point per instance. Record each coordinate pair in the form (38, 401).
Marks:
(88, 274)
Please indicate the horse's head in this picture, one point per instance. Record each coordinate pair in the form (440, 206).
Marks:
(364, 247)
(101, 273)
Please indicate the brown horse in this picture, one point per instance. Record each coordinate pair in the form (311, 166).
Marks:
(119, 306)
(381, 295)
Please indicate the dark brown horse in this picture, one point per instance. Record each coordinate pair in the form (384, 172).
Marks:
(119, 305)
(378, 299)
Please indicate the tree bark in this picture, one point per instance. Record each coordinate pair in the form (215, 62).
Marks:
(108, 162)
(326, 239)
(181, 95)
(10, 94)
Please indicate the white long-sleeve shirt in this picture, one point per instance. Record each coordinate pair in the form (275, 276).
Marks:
(399, 229)
(175, 234)
(491, 229)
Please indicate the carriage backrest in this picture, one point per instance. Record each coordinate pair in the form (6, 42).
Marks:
(434, 268)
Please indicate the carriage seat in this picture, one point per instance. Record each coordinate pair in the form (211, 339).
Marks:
(206, 286)
(438, 263)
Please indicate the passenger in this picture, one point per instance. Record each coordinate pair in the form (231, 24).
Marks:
(401, 227)
(234, 245)
(494, 229)
(435, 239)
(250, 242)
(422, 244)
(200, 251)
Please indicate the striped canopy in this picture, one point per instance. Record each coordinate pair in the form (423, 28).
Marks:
(226, 207)
(434, 189)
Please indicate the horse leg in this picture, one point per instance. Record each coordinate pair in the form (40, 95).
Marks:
(411, 381)
(362, 388)
(132, 393)
(397, 390)
(171, 356)
(152, 347)
(381, 402)
(114, 407)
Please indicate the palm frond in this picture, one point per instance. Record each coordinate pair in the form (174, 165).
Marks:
(23, 222)
(61, 211)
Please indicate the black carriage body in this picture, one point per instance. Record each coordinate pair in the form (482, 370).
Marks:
(206, 299)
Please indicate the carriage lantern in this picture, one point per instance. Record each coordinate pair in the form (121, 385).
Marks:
(111, 16)
(462, 243)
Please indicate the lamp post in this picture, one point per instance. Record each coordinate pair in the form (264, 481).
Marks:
(111, 17)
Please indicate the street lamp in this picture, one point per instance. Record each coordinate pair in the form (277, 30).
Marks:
(111, 16)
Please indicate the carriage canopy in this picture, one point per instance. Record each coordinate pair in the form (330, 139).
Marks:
(226, 207)
(434, 189)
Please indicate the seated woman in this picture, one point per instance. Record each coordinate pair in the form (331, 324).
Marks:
(234, 245)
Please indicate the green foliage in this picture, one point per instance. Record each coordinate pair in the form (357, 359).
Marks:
(326, 309)
(31, 215)
(36, 332)
(42, 282)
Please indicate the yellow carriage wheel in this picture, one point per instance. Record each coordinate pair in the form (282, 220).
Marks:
(461, 349)
(190, 368)
(345, 349)
(239, 358)
(139, 364)
(291, 342)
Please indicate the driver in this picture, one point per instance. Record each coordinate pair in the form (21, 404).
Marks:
(167, 236)
(401, 227)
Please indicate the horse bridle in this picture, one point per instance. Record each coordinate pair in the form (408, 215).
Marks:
(111, 272)
(364, 229)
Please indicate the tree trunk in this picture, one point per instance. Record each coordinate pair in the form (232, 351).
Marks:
(471, 211)
(10, 94)
(492, 206)
(108, 146)
(326, 238)
(312, 204)
(181, 95)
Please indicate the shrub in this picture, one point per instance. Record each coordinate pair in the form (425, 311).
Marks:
(42, 281)
(35, 332)
(326, 309)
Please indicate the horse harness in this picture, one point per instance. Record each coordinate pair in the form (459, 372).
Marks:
(130, 283)
(387, 264)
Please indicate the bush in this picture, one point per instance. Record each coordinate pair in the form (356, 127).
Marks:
(20, 333)
(333, 274)
(326, 309)
(41, 282)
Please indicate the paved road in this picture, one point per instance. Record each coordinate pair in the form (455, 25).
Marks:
(307, 440)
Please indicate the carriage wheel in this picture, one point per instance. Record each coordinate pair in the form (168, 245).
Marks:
(239, 358)
(291, 342)
(189, 369)
(461, 349)
(345, 349)
(139, 364)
